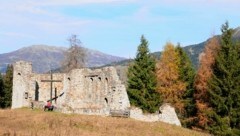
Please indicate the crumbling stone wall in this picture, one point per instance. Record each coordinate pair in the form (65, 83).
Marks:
(80, 91)
(166, 114)
(21, 77)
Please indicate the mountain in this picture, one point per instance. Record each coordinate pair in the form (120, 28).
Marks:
(195, 50)
(45, 57)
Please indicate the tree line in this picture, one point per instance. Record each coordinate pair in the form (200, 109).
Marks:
(207, 99)
(6, 83)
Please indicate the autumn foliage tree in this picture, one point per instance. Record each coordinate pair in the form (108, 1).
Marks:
(168, 76)
(204, 73)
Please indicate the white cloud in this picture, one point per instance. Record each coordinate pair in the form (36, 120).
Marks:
(32, 17)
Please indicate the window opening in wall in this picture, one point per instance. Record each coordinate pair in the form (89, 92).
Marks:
(69, 79)
(36, 91)
(26, 95)
(19, 74)
(106, 100)
(91, 79)
(99, 78)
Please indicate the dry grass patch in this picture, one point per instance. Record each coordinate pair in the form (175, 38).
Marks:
(26, 122)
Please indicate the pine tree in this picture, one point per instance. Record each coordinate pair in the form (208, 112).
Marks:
(204, 73)
(168, 76)
(8, 83)
(186, 75)
(142, 80)
(224, 88)
(1, 92)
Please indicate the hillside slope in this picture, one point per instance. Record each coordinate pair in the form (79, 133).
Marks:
(29, 122)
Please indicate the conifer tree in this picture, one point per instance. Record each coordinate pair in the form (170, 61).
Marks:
(186, 75)
(8, 83)
(204, 73)
(224, 88)
(142, 80)
(1, 92)
(168, 76)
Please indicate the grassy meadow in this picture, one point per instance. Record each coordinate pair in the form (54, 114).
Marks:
(27, 122)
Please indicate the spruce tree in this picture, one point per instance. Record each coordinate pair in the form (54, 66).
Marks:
(187, 74)
(8, 83)
(224, 88)
(1, 92)
(142, 80)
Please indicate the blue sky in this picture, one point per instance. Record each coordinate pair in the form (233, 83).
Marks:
(113, 26)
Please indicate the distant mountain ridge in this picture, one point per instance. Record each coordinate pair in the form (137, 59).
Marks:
(44, 57)
(193, 51)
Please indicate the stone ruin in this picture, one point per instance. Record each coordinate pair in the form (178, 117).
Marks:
(166, 114)
(82, 91)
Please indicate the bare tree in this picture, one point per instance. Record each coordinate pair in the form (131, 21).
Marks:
(75, 56)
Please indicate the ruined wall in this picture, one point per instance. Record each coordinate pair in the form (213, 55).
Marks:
(94, 92)
(27, 86)
(166, 114)
(80, 91)
(40, 91)
(21, 75)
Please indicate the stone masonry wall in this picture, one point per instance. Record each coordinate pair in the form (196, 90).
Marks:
(21, 75)
(80, 91)
(167, 114)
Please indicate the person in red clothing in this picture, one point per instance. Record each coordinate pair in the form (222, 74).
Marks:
(49, 106)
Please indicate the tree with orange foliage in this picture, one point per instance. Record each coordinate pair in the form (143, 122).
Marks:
(204, 73)
(169, 83)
